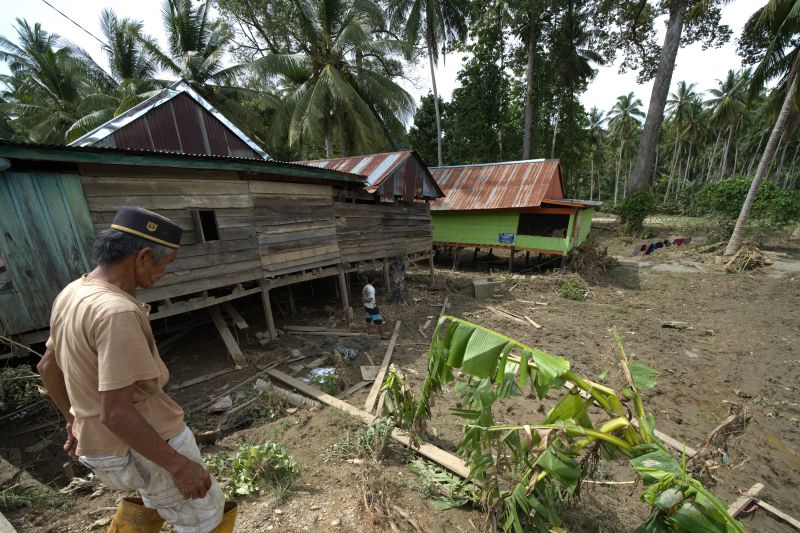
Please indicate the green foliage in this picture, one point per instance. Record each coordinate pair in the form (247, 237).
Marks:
(399, 402)
(329, 383)
(441, 488)
(635, 208)
(367, 443)
(16, 497)
(18, 388)
(422, 135)
(572, 289)
(527, 472)
(722, 200)
(254, 468)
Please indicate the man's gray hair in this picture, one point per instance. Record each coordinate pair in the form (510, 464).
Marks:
(112, 246)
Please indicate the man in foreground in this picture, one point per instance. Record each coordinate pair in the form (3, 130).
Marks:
(103, 371)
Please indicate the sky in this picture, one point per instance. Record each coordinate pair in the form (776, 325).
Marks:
(694, 64)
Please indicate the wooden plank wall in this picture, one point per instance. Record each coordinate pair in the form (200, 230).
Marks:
(234, 258)
(369, 231)
(295, 226)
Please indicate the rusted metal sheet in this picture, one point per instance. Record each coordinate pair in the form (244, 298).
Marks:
(506, 185)
(390, 174)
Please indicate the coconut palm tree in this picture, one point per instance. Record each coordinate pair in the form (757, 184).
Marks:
(596, 140)
(45, 88)
(624, 121)
(330, 84)
(773, 29)
(680, 106)
(438, 23)
(728, 104)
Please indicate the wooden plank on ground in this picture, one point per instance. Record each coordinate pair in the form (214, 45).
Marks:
(369, 372)
(778, 513)
(745, 499)
(534, 324)
(504, 314)
(234, 314)
(199, 379)
(376, 387)
(439, 456)
(355, 388)
(327, 399)
(227, 337)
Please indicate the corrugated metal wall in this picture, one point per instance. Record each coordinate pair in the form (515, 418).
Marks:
(45, 240)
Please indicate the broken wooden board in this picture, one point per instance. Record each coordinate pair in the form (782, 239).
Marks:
(234, 314)
(778, 513)
(376, 387)
(369, 372)
(199, 379)
(306, 330)
(745, 499)
(355, 388)
(437, 455)
(504, 314)
(534, 324)
(227, 337)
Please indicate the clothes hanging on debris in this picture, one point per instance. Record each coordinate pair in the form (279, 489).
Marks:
(648, 248)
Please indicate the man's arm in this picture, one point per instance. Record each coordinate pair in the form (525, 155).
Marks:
(53, 380)
(119, 415)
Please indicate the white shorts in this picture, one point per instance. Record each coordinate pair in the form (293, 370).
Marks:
(157, 488)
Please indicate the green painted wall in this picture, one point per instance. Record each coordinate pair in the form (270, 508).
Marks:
(584, 225)
(484, 228)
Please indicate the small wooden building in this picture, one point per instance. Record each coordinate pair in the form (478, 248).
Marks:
(250, 225)
(518, 205)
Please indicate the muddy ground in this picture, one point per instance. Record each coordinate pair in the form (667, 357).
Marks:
(741, 345)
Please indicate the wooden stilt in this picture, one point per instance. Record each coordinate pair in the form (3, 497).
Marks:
(386, 276)
(511, 261)
(430, 266)
(292, 308)
(227, 337)
(234, 314)
(455, 257)
(343, 291)
(268, 310)
(475, 256)
(527, 257)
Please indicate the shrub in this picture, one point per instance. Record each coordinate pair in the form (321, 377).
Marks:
(18, 388)
(635, 208)
(254, 468)
(572, 289)
(722, 200)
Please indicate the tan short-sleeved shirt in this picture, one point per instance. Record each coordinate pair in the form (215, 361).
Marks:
(102, 341)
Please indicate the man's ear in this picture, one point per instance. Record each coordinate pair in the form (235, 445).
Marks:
(143, 255)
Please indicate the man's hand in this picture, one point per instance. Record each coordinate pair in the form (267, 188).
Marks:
(72, 443)
(191, 478)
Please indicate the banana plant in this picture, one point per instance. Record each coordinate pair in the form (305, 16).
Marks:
(528, 471)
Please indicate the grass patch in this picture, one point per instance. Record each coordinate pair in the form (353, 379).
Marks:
(16, 497)
(368, 442)
(572, 289)
(441, 488)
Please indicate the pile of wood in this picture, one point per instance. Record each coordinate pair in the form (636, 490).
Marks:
(747, 258)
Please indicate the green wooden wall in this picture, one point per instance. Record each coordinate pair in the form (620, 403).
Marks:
(484, 228)
(46, 234)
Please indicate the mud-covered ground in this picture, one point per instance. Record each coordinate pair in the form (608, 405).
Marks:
(741, 345)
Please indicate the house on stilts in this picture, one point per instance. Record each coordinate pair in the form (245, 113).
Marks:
(252, 226)
(515, 205)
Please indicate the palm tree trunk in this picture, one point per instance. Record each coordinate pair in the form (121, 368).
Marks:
(436, 107)
(616, 180)
(640, 178)
(735, 159)
(713, 153)
(342, 133)
(744, 215)
(532, 43)
(591, 176)
(758, 147)
(328, 140)
(783, 160)
(791, 167)
(555, 129)
(627, 180)
(723, 165)
(675, 152)
(688, 164)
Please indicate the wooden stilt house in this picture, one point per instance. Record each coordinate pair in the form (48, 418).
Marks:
(516, 205)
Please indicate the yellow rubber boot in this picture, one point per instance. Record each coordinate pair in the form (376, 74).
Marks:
(133, 517)
(228, 519)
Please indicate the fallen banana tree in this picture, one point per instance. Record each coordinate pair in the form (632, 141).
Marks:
(527, 471)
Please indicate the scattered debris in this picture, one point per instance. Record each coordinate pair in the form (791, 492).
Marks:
(505, 314)
(675, 325)
(369, 373)
(534, 324)
(79, 485)
(747, 258)
(221, 405)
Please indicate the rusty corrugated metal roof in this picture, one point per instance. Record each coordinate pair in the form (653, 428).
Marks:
(375, 167)
(415, 181)
(506, 185)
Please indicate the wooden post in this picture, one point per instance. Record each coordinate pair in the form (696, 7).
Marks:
(227, 337)
(511, 260)
(455, 257)
(386, 276)
(343, 290)
(527, 257)
(475, 256)
(291, 300)
(430, 265)
(268, 309)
